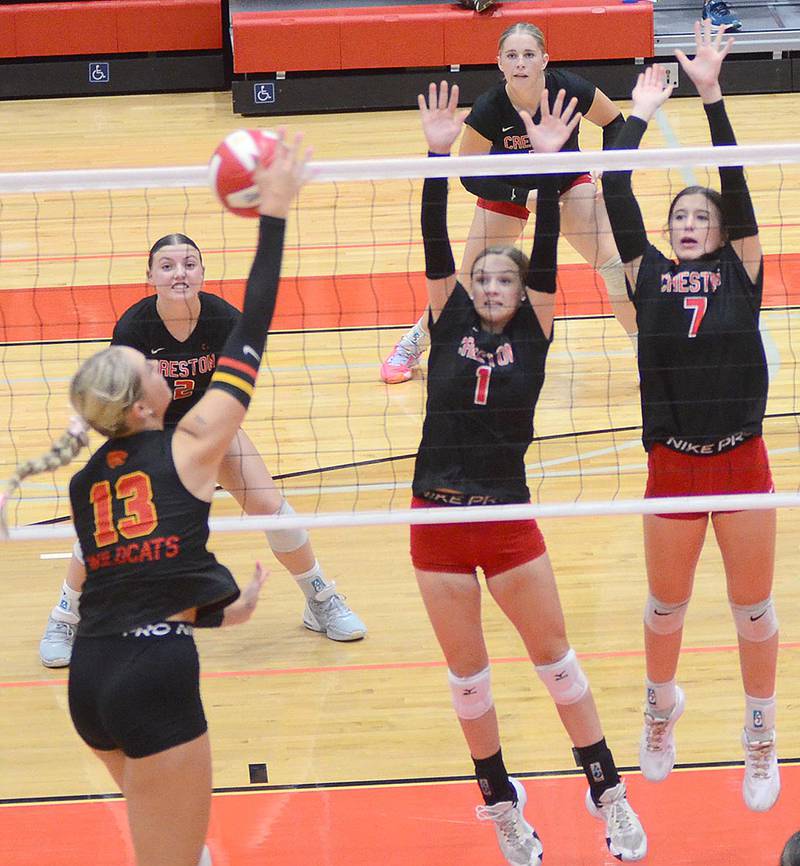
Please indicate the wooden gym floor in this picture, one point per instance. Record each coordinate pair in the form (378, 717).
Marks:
(364, 760)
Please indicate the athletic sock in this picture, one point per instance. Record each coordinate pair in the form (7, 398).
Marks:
(493, 780)
(598, 766)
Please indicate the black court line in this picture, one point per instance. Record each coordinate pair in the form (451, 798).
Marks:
(376, 783)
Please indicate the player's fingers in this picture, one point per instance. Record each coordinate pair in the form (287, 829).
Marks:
(453, 103)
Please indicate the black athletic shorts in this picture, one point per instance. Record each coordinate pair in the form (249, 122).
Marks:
(139, 692)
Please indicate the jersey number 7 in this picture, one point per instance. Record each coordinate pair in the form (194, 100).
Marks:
(136, 491)
(698, 306)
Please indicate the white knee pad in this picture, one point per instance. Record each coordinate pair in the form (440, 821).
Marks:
(286, 540)
(472, 696)
(755, 622)
(77, 552)
(613, 275)
(565, 679)
(663, 618)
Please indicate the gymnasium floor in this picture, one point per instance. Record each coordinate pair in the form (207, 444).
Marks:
(363, 758)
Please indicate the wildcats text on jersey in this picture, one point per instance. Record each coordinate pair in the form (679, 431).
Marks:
(135, 552)
(691, 282)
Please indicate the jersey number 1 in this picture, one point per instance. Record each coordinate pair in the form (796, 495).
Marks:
(136, 491)
(698, 306)
(484, 374)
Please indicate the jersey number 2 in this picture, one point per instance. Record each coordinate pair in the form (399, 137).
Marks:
(698, 306)
(136, 491)
(483, 374)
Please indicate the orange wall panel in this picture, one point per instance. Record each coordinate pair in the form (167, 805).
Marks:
(267, 43)
(53, 29)
(373, 40)
(169, 25)
(8, 32)
(601, 32)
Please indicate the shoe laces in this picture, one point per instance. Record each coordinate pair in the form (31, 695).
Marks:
(403, 355)
(655, 729)
(719, 6)
(58, 626)
(618, 814)
(506, 817)
(758, 756)
(333, 607)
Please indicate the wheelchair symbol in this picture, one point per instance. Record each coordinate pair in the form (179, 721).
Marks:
(99, 73)
(264, 92)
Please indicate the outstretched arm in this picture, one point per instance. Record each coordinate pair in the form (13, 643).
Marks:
(441, 123)
(548, 136)
(205, 432)
(624, 213)
(737, 206)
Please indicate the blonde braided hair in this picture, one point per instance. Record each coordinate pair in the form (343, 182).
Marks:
(104, 388)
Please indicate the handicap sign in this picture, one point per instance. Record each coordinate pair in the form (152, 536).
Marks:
(263, 92)
(99, 73)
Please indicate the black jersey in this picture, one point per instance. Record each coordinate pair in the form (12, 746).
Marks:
(702, 365)
(143, 537)
(494, 117)
(482, 391)
(187, 366)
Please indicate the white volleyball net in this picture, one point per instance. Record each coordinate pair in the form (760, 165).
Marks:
(341, 444)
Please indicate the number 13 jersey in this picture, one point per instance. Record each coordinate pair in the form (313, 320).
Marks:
(143, 537)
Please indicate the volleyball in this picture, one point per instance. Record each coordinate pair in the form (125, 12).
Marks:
(232, 165)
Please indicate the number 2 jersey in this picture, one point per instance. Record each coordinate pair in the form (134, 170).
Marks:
(494, 117)
(189, 365)
(482, 391)
(143, 537)
(702, 365)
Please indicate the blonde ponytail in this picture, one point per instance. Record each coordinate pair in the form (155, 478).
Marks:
(62, 452)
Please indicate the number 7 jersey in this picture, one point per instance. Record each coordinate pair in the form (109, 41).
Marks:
(702, 365)
(143, 537)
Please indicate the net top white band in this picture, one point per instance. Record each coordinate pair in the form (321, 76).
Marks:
(476, 514)
(388, 169)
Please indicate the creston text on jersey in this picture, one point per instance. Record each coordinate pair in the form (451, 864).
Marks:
(691, 282)
(501, 357)
(188, 368)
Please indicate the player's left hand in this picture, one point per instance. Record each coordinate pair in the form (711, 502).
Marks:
(710, 50)
(550, 134)
(242, 609)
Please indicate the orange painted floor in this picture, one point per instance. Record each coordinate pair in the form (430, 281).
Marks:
(696, 817)
(341, 301)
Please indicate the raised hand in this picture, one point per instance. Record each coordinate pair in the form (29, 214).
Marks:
(703, 69)
(441, 119)
(281, 179)
(651, 92)
(550, 134)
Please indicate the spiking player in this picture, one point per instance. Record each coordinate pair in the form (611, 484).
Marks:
(704, 393)
(134, 683)
(486, 369)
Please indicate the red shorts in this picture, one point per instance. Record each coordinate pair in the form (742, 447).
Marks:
(744, 469)
(460, 548)
(519, 211)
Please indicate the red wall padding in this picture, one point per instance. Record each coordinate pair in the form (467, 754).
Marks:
(436, 35)
(109, 27)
